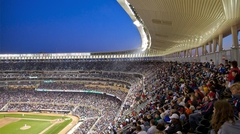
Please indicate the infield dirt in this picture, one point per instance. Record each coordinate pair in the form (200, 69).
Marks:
(5, 121)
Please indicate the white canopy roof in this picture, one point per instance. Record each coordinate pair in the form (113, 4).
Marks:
(177, 25)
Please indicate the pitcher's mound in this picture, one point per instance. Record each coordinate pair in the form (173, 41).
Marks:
(25, 127)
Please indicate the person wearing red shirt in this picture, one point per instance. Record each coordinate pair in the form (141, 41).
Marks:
(234, 67)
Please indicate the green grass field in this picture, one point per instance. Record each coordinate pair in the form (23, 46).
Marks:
(37, 126)
(58, 127)
(14, 128)
(30, 116)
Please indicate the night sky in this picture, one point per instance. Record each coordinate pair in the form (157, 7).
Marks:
(50, 26)
(33, 26)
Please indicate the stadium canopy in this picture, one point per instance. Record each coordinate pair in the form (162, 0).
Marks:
(171, 26)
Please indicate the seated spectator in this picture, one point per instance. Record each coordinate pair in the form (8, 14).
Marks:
(202, 90)
(156, 117)
(198, 94)
(236, 75)
(145, 123)
(204, 102)
(175, 125)
(183, 117)
(205, 89)
(235, 89)
(141, 125)
(222, 69)
(180, 101)
(140, 131)
(152, 129)
(193, 100)
(206, 111)
(161, 128)
(226, 124)
(187, 109)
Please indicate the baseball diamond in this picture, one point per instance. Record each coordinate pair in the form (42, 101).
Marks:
(35, 123)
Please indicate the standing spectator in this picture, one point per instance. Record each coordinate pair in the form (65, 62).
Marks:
(223, 119)
(234, 67)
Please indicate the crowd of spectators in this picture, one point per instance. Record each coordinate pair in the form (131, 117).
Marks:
(86, 112)
(129, 66)
(36, 107)
(184, 99)
(30, 75)
(85, 126)
(29, 99)
(77, 86)
(178, 96)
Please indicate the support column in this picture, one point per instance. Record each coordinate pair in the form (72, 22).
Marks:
(206, 51)
(190, 52)
(214, 45)
(203, 50)
(235, 46)
(220, 39)
(210, 47)
(184, 53)
(234, 36)
(196, 52)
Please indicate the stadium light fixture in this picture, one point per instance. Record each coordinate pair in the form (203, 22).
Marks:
(137, 23)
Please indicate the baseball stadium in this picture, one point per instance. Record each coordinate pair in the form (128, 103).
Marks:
(179, 81)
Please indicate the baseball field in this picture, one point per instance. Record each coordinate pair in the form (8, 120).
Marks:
(35, 123)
